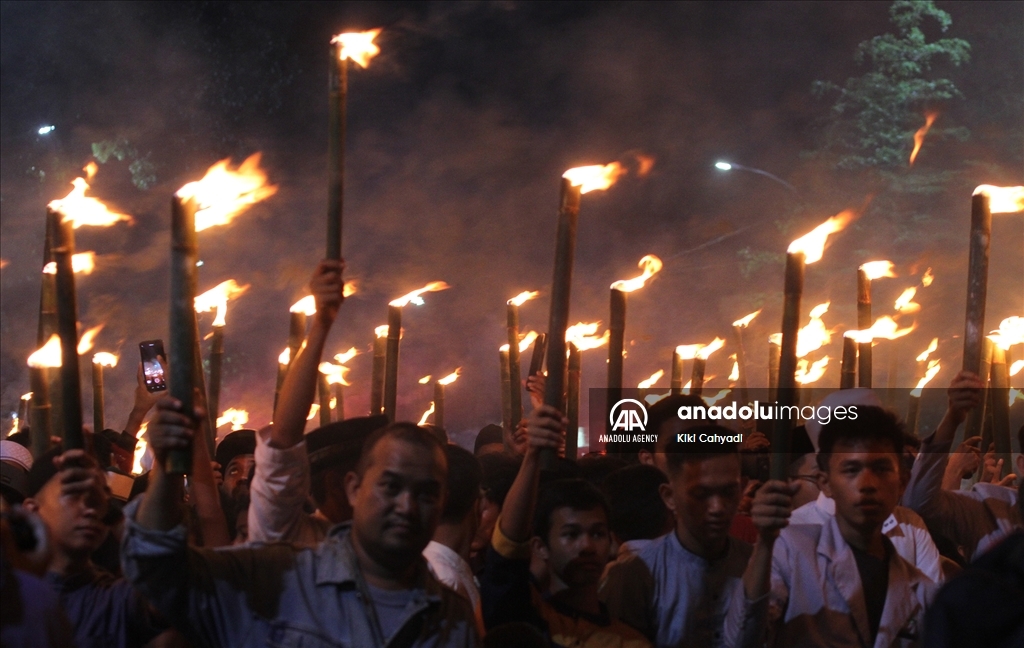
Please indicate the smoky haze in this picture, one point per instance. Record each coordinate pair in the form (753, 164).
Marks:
(458, 133)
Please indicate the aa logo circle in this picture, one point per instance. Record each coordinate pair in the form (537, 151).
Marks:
(628, 415)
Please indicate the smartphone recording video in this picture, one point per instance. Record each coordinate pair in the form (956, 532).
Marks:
(152, 352)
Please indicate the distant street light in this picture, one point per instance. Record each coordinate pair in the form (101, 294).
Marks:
(729, 166)
(47, 129)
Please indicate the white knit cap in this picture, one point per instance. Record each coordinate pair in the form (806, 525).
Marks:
(16, 454)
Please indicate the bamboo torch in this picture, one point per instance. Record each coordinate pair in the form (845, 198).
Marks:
(700, 362)
(848, 369)
(380, 349)
(283, 361)
(216, 299)
(439, 386)
(23, 410)
(40, 362)
(865, 275)
(359, 47)
(1010, 332)
(394, 337)
(741, 353)
(506, 389)
(99, 360)
(774, 351)
(676, 384)
(67, 327)
(914, 406)
(572, 402)
(804, 250)
(539, 350)
(514, 364)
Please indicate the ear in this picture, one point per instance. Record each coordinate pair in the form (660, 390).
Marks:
(31, 505)
(823, 483)
(1020, 466)
(352, 483)
(665, 490)
(538, 547)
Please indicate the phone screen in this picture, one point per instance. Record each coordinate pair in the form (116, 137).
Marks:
(152, 352)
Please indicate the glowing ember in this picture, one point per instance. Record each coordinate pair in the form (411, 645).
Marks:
(594, 177)
(426, 379)
(26, 397)
(650, 265)
(705, 351)
(930, 350)
(884, 328)
(85, 343)
(813, 336)
(929, 119)
(711, 400)
(217, 298)
(905, 302)
(807, 373)
(450, 378)
(878, 269)
(813, 243)
(85, 210)
(527, 340)
(927, 278)
(415, 298)
(358, 46)
(523, 297)
(223, 193)
(584, 336)
(426, 415)
(342, 358)
(734, 375)
(688, 351)
(140, 450)
(1016, 367)
(1003, 200)
(306, 306)
(349, 288)
(236, 417)
(81, 263)
(650, 382)
(933, 369)
(335, 373)
(105, 359)
(286, 356)
(744, 322)
(645, 162)
(314, 409)
(1010, 332)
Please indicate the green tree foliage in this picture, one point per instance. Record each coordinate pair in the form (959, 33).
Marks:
(875, 115)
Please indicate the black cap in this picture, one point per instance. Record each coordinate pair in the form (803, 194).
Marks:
(488, 434)
(239, 442)
(43, 470)
(341, 442)
(13, 482)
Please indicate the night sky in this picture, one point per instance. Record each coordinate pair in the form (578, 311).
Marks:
(458, 133)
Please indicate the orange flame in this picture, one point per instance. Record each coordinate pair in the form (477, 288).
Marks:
(584, 336)
(734, 375)
(216, 298)
(81, 263)
(450, 378)
(706, 350)
(342, 358)
(807, 373)
(223, 193)
(688, 351)
(594, 177)
(929, 119)
(140, 450)
(47, 355)
(527, 340)
(105, 359)
(335, 373)
(650, 382)
(927, 278)
(85, 210)
(426, 379)
(905, 304)
(878, 269)
(1016, 367)
(650, 265)
(381, 331)
(415, 298)
(523, 297)
(932, 346)
(933, 369)
(236, 417)
(285, 357)
(711, 400)
(645, 162)
(85, 342)
(812, 244)
(358, 46)
(813, 336)
(306, 306)
(884, 328)
(426, 415)
(314, 409)
(1003, 200)
(1010, 332)
(350, 288)
(744, 322)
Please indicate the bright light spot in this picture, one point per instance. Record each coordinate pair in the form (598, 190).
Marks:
(723, 166)
(47, 129)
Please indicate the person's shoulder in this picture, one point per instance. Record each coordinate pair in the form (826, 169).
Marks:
(908, 517)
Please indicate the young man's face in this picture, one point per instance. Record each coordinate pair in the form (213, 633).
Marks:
(863, 478)
(704, 496)
(74, 521)
(397, 503)
(578, 545)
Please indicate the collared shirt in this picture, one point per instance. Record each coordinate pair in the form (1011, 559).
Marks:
(279, 595)
(904, 528)
(104, 610)
(452, 570)
(817, 598)
(673, 596)
(31, 614)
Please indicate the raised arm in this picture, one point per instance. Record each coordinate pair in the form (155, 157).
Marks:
(299, 386)
(544, 428)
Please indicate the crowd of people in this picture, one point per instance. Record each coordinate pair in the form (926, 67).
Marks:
(370, 533)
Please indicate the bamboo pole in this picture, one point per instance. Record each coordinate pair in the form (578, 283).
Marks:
(697, 376)
(216, 362)
(781, 438)
(616, 345)
(98, 424)
(67, 325)
(380, 349)
(741, 363)
(514, 365)
(999, 388)
(324, 391)
(863, 323)
(337, 102)
(391, 361)
(506, 391)
(184, 254)
(676, 384)
(40, 411)
(573, 402)
(848, 369)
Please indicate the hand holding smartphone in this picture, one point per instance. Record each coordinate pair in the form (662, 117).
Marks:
(152, 352)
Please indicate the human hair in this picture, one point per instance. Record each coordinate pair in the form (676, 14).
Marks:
(401, 431)
(575, 494)
(487, 435)
(636, 509)
(667, 409)
(681, 452)
(499, 471)
(464, 477)
(596, 467)
(873, 423)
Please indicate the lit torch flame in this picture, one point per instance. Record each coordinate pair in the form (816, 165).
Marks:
(85, 210)
(744, 322)
(812, 244)
(884, 328)
(349, 288)
(650, 382)
(236, 417)
(878, 269)
(527, 340)
(811, 337)
(905, 302)
(650, 265)
(1010, 332)
(734, 375)
(933, 369)
(426, 415)
(85, 343)
(594, 177)
(930, 350)
(1003, 200)
(335, 373)
(381, 331)
(306, 306)
(314, 409)
(426, 379)
(81, 263)
(222, 194)
(1016, 367)
(584, 336)
(216, 298)
(808, 372)
(711, 400)
(358, 46)
(706, 350)
(450, 378)
(929, 119)
(927, 278)
(105, 359)
(523, 297)
(688, 351)
(415, 298)
(285, 357)
(342, 358)
(140, 450)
